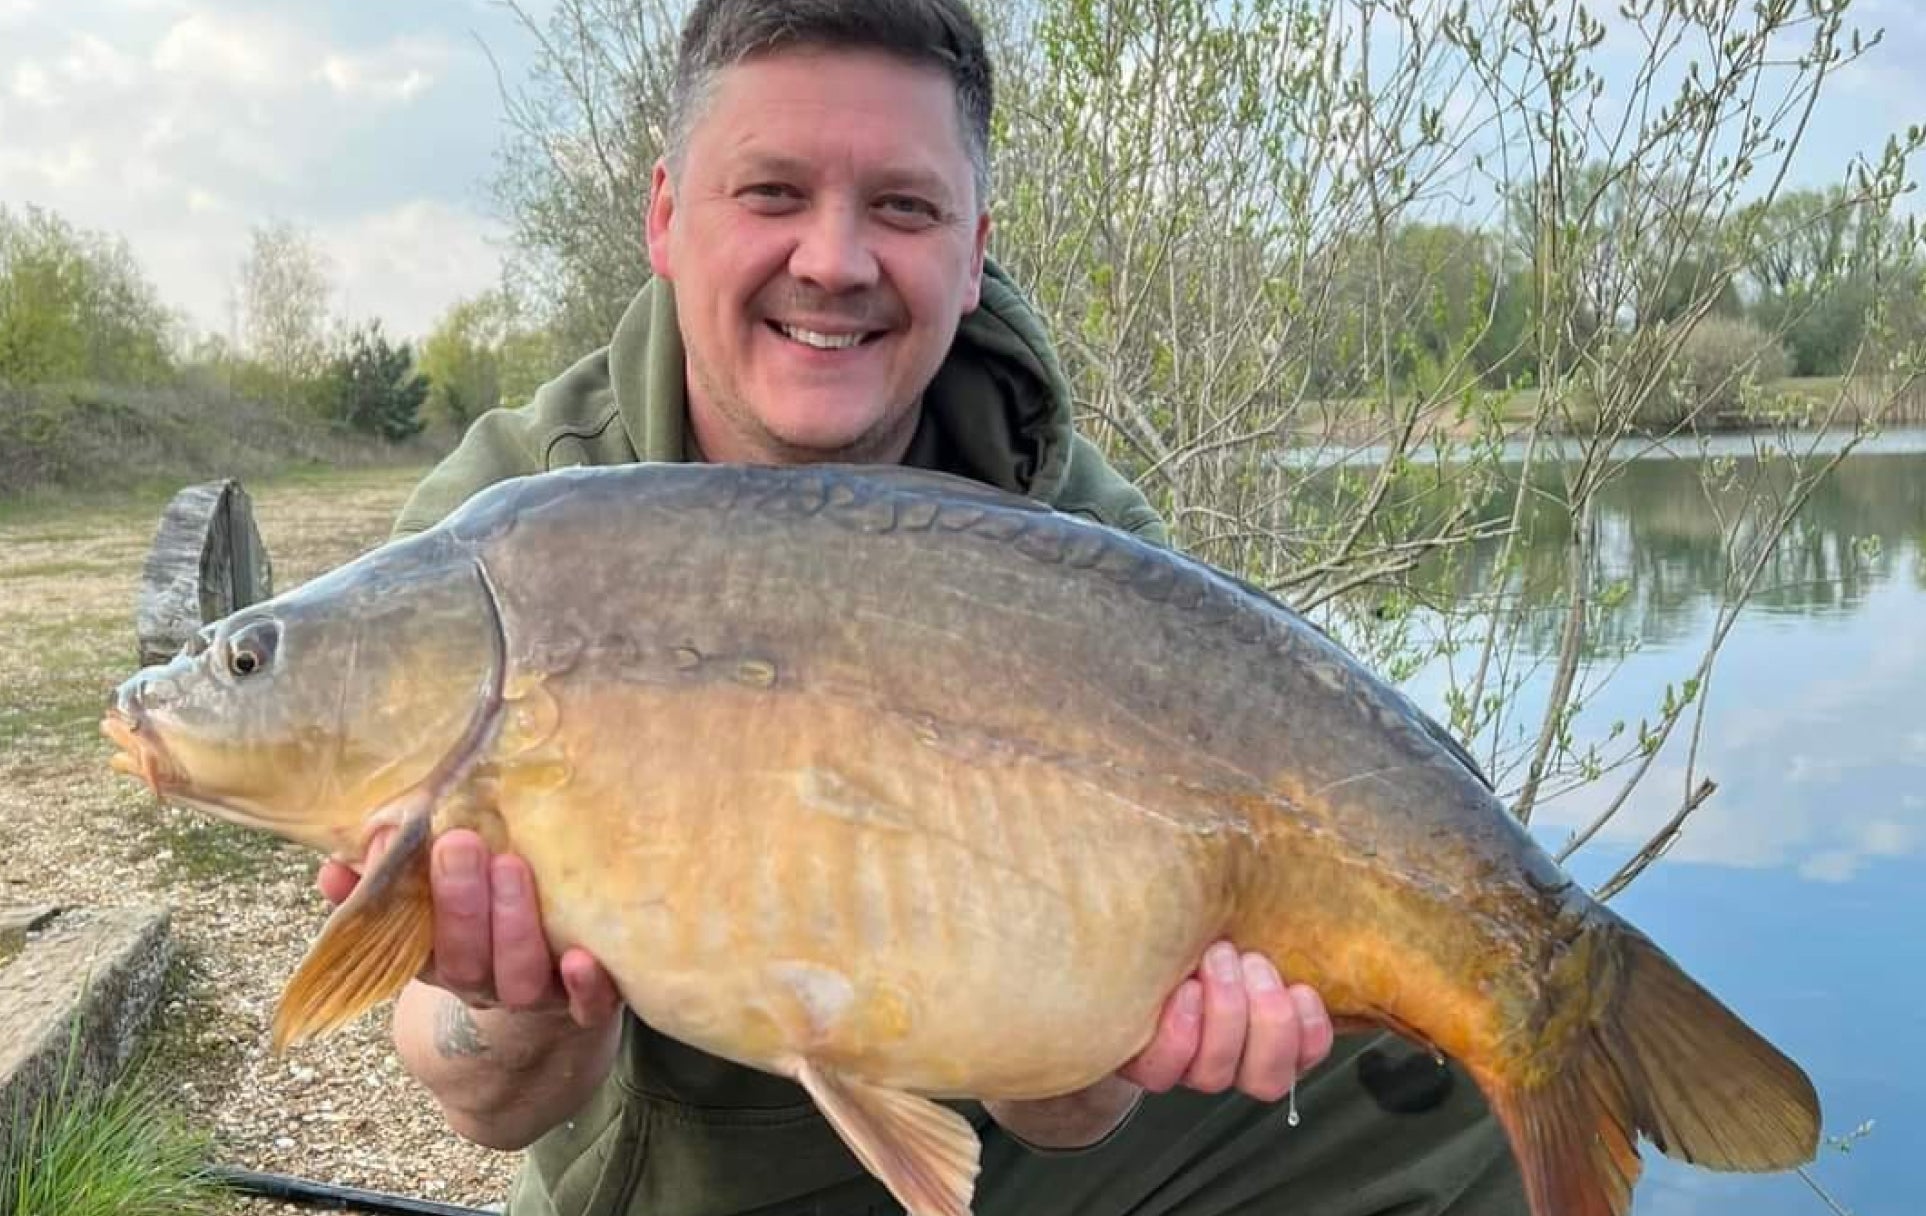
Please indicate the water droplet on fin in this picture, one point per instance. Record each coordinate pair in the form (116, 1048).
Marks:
(1290, 1114)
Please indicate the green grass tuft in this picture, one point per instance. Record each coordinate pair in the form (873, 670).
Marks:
(117, 1150)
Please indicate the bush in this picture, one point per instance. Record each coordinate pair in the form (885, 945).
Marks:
(1719, 369)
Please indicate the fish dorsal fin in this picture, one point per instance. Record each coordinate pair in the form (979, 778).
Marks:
(376, 941)
(925, 1153)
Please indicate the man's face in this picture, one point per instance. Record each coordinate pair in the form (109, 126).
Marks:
(824, 241)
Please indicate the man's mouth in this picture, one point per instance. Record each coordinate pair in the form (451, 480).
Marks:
(820, 340)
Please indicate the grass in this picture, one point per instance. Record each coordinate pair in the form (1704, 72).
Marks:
(201, 848)
(113, 1150)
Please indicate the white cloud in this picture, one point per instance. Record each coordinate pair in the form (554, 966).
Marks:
(94, 63)
(398, 72)
(31, 85)
(410, 262)
(182, 124)
(258, 56)
(1835, 866)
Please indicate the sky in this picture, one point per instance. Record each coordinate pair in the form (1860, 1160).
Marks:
(374, 125)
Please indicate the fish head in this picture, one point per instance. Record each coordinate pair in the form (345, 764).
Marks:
(310, 713)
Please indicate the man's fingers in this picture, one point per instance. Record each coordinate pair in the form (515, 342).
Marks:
(1226, 1019)
(592, 996)
(1315, 1034)
(458, 876)
(1270, 1063)
(1161, 1065)
(524, 971)
(336, 881)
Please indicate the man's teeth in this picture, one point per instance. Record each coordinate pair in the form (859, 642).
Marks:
(810, 337)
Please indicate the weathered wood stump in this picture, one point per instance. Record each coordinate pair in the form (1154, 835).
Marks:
(207, 561)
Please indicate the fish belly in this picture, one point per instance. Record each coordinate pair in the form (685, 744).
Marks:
(773, 877)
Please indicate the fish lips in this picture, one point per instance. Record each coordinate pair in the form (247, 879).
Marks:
(141, 753)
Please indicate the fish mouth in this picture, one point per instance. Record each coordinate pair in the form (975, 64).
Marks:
(140, 754)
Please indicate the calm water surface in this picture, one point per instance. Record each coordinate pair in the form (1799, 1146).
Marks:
(1798, 893)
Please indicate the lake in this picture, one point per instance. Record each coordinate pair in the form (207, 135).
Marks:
(1798, 892)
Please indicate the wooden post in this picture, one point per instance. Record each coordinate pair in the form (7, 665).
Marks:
(207, 561)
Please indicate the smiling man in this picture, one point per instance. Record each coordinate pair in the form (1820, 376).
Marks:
(818, 229)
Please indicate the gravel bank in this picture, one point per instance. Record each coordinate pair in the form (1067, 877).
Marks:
(244, 908)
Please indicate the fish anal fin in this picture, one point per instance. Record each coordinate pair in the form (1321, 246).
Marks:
(374, 943)
(925, 1153)
(1574, 1152)
(1665, 1060)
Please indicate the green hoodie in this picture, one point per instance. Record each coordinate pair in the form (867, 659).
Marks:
(997, 411)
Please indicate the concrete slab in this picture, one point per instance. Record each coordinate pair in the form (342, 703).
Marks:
(85, 982)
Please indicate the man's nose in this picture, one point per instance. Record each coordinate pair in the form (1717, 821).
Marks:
(832, 253)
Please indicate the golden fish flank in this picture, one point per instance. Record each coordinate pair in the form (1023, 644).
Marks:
(774, 745)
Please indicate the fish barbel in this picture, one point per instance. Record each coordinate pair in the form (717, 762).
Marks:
(805, 757)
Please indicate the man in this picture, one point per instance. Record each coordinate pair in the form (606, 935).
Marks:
(818, 230)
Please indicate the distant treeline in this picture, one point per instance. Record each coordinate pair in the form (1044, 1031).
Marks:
(1240, 230)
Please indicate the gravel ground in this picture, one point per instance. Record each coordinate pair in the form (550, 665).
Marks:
(244, 907)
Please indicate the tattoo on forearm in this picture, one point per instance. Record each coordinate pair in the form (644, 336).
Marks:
(456, 1035)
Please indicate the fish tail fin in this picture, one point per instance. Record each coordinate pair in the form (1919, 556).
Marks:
(1670, 1062)
(378, 939)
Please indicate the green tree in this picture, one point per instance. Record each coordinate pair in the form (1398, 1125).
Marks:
(484, 353)
(584, 132)
(284, 296)
(75, 305)
(374, 387)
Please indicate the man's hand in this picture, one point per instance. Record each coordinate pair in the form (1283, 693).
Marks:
(490, 950)
(1235, 1023)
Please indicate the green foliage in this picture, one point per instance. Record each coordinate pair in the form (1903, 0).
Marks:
(1722, 367)
(91, 437)
(373, 386)
(485, 353)
(75, 306)
(113, 1150)
(284, 293)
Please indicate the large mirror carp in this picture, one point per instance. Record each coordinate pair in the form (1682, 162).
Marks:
(807, 757)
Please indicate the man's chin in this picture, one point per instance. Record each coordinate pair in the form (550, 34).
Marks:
(871, 439)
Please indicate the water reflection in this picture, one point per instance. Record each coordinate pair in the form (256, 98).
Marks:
(1660, 530)
(1797, 892)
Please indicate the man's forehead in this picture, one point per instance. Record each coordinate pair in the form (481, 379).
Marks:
(781, 88)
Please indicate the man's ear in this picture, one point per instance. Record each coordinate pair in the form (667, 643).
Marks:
(974, 295)
(661, 211)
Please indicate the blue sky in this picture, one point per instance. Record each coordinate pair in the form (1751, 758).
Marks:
(179, 124)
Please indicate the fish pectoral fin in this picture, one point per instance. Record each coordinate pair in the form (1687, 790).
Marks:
(925, 1153)
(378, 939)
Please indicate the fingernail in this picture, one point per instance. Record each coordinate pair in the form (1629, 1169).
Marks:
(1259, 975)
(1310, 1012)
(462, 863)
(1190, 1003)
(1222, 962)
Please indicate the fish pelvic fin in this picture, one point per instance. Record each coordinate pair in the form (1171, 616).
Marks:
(924, 1152)
(1667, 1061)
(376, 941)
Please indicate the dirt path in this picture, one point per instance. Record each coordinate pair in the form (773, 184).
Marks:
(244, 908)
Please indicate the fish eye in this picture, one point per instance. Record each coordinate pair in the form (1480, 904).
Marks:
(251, 649)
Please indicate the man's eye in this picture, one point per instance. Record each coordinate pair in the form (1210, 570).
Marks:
(902, 206)
(769, 190)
